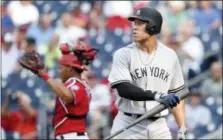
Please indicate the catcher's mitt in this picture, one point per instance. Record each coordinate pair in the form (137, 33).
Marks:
(31, 60)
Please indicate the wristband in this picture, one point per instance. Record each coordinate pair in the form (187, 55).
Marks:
(45, 77)
(158, 95)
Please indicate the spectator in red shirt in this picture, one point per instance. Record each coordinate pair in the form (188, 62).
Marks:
(23, 121)
(79, 18)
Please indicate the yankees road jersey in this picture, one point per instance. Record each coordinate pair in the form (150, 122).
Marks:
(80, 106)
(159, 71)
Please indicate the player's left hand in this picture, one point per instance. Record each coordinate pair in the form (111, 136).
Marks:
(30, 60)
(181, 134)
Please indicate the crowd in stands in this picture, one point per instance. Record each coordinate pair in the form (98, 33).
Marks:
(192, 28)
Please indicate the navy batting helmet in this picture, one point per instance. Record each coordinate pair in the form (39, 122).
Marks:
(152, 17)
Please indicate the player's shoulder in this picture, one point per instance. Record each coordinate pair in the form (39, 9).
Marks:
(166, 50)
(124, 51)
(70, 82)
(74, 82)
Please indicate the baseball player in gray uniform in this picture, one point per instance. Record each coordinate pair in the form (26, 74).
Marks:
(146, 73)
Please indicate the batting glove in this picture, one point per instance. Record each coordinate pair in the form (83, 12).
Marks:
(181, 134)
(169, 100)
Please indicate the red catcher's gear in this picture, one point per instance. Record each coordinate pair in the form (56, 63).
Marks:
(71, 117)
(72, 60)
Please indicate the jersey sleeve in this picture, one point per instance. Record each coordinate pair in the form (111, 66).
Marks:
(177, 82)
(77, 90)
(120, 68)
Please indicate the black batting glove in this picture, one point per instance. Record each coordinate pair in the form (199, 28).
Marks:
(169, 100)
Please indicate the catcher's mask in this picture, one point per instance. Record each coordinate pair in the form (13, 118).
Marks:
(72, 60)
(83, 52)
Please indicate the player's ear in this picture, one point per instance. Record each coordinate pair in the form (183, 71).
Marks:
(70, 69)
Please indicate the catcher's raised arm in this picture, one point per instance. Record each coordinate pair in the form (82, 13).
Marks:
(73, 95)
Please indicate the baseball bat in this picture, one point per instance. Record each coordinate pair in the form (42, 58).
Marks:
(150, 113)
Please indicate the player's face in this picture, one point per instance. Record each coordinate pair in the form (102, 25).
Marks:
(195, 100)
(64, 72)
(139, 32)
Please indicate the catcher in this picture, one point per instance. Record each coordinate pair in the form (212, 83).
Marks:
(73, 95)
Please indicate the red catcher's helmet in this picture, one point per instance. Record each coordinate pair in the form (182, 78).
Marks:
(84, 52)
(72, 60)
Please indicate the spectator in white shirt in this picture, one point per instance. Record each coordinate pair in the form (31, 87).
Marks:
(116, 13)
(197, 114)
(9, 54)
(191, 49)
(118, 8)
(100, 93)
(212, 86)
(23, 12)
(99, 105)
(3, 134)
(66, 31)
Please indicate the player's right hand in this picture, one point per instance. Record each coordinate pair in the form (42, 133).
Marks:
(169, 100)
(182, 133)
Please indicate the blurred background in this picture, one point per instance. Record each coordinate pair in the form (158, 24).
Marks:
(192, 28)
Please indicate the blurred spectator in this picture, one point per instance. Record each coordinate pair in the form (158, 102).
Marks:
(206, 17)
(96, 20)
(43, 31)
(198, 115)
(213, 85)
(24, 121)
(113, 94)
(51, 52)
(191, 4)
(192, 49)
(191, 7)
(21, 36)
(66, 31)
(79, 18)
(166, 35)
(117, 13)
(29, 44)
(100, 93)
(2, 134)
(99, 106)
(23, 12)
(176, 15)
(118, 8)
(173, 43)
(9, 54)
(6, 21)
(140, 4)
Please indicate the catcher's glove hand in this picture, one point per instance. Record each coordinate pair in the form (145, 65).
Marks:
(31, 60)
